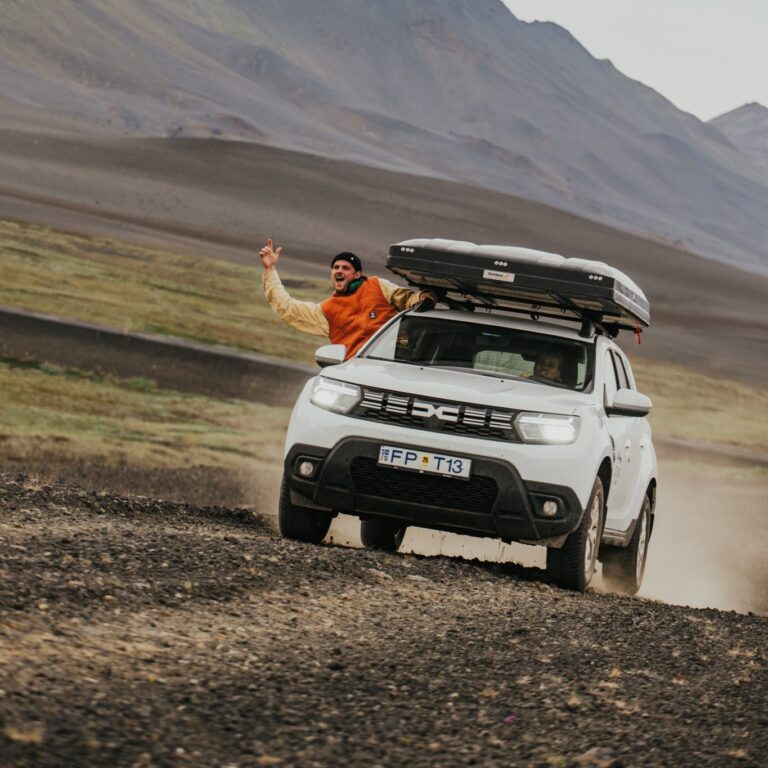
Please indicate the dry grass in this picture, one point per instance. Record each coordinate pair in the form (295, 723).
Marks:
(695, 407)
(47, 410)
(141, 289)
(73, 415)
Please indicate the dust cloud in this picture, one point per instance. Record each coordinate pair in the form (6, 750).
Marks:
(711, 530)
(707, 549)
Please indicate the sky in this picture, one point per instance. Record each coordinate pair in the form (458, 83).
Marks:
(706, 56)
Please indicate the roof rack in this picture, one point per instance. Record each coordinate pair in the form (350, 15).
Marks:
(511, 279)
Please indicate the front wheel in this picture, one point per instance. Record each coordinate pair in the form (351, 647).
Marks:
(624, 567)
(301, 523)
(573, 565)
(382, 534)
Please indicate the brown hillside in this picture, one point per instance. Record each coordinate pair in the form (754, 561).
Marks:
(225, 198)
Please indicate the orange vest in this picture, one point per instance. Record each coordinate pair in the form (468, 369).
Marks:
(354, 318)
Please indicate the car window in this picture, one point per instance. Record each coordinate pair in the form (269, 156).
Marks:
(618, 368)
(486, 349)
(626, 371)
(611, 377)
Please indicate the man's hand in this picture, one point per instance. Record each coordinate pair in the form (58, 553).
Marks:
(426, 301)
(269, 256)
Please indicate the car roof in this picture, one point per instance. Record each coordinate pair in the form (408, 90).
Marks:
(504, 320)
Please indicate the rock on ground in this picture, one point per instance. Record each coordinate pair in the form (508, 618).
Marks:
(137, 632)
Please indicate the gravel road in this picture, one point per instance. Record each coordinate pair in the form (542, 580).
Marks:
(136, 632)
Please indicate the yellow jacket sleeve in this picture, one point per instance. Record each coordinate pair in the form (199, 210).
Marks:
(305, 316)
(399, 298)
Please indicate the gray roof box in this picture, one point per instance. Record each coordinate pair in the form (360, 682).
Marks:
(520, 279)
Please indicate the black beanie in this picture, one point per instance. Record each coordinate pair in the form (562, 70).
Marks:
(352, 258)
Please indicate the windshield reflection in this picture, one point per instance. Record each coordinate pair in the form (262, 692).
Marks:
(488, 350)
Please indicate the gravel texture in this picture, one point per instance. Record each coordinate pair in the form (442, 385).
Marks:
(137, 632)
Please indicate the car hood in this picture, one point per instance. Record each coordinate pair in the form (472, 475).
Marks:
(442, 384)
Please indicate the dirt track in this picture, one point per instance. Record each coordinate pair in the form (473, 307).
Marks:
(143, 633)
(171, 362)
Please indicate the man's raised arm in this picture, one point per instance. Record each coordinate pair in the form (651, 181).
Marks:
(305, 316)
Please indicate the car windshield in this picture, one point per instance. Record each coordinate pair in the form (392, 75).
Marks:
(485, 349)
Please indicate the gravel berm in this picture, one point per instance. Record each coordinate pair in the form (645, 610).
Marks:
(138, 632)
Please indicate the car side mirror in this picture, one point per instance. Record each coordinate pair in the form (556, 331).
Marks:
(330, 354)
(628, 402)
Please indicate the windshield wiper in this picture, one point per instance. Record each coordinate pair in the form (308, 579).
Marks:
(391, 360)
(547, 382)
(479, 372)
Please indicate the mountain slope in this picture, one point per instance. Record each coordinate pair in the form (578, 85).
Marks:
(747, 128)
(446, 88)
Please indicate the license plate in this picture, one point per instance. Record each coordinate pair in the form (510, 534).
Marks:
(434, 463)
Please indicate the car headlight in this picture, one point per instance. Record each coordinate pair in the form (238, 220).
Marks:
(337, 396)
(547, 428)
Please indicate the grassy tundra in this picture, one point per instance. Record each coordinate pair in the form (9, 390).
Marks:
(143, 289)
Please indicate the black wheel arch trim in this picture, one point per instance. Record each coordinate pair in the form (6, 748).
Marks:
(623, 538)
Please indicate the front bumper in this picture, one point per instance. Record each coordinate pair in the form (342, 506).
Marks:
(495, 501)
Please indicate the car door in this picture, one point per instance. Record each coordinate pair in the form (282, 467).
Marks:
(636, 431)
(620, 429)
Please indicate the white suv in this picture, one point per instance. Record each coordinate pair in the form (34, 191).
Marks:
(482, 423)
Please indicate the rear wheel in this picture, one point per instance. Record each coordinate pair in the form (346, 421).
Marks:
(301, 523)
(382, 534)
(624, 567)
(573, 565)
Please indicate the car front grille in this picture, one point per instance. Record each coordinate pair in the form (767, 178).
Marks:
(477, 494)
(437, 415)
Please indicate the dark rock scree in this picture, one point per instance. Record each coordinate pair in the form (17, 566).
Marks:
(137, 632)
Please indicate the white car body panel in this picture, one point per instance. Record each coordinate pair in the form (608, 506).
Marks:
(624, 440)
(316, 426)
(459, 386)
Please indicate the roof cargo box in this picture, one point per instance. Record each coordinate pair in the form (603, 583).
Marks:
(523, 280)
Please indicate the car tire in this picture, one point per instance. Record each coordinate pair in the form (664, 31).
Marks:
(573, 565)
(624, 567)
(301, 523)
(382, 534)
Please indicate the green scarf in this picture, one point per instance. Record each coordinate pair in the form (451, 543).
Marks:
(353, 286)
